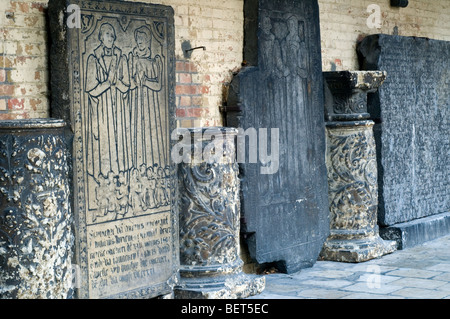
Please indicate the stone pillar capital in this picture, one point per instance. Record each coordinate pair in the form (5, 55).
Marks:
(346, 93)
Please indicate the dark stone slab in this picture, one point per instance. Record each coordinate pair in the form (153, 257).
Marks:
(112, 79)
(285, 211)
(411, 110)
(418, 231)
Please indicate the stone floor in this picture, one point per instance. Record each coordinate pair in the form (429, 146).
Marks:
(420, 272)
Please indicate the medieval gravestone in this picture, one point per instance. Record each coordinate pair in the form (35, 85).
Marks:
(112, 79)
(411, 110)
(284, 201)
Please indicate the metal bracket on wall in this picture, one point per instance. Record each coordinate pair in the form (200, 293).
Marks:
(399, 3)
(187, 50)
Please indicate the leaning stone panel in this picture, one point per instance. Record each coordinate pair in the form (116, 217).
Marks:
(411, 110)
(112, 79)
(279, 98)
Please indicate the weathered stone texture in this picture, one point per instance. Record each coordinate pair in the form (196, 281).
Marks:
(353, 194)
(36, 235)
(286, 211)
(411, 110)
(210, 265)
(113, 80)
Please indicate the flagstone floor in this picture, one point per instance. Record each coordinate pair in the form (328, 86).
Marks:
(421, 272)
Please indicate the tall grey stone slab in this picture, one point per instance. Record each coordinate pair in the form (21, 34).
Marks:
(284, 200)
(112, 79)
(411, 110)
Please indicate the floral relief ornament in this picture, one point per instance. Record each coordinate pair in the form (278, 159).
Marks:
(35, 218)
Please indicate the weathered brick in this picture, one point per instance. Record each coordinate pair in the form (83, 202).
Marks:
(185, 89)
(196, 112)
(217, 25)
(7, 61)
(185, 78)
(196, 100)
(181, 66)
(16, 104)
(36, 103)
(14, 116)
(3, 105)
(38, 7)
(20, 6)
(30, 89)
(2, 75)
(6, 89)
(180, 112)
(203, 89)
(186, 123)
(343, 22)
(185, 101)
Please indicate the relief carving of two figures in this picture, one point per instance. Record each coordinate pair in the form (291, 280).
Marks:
(283, 47)
(123, 119)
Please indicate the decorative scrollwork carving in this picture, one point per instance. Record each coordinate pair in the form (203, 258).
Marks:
(209, 221)
(352, 177)
(345, 104)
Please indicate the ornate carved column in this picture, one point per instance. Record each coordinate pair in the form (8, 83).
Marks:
(209, 219)
(35, 216)
(352, 169)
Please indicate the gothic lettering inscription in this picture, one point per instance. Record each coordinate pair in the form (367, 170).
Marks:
(124, 254)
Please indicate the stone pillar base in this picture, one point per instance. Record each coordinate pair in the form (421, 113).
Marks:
(236, 286)
(357, 250)
(353, 194)
(210, 265)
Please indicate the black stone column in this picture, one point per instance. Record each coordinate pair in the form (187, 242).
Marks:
(35, 216)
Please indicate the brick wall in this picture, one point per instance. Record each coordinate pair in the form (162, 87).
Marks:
(23, 60)
(343, 22)
(218, 25)
(201, 79)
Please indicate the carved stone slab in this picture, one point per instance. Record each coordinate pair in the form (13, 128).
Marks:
(411, 110)
(113, 80)
(286, 213)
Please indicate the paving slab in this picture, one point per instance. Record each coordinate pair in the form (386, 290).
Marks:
(416, 273)
(419, 283)
(421, 293)
(373, 288)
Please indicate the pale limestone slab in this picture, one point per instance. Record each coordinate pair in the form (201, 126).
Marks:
(416, 273)
(419, 293)
(419, 283)
(375, 289)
